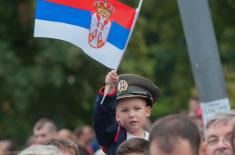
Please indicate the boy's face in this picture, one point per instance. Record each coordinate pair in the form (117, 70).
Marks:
(131, 113)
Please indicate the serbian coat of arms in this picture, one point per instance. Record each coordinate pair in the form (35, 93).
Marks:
(100, 23)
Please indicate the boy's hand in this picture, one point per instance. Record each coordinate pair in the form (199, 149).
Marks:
(111, 81)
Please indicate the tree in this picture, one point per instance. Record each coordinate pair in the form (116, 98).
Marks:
(52, 78)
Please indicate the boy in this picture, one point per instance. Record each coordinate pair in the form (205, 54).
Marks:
(133, 146)
(124, 111)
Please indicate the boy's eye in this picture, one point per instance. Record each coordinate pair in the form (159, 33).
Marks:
(124, 110)
(137, 108)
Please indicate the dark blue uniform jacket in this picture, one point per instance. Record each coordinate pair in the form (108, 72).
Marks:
(109, 134)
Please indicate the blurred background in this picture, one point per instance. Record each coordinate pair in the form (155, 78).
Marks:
(54, 79)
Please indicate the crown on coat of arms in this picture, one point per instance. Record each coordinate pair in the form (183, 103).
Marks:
(104, 8)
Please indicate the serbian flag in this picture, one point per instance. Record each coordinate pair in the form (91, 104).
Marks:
(101, 28)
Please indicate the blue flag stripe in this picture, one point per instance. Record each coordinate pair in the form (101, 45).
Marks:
(58, 13)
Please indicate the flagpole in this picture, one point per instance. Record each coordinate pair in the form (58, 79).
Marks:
(131, 31)
(128, 39)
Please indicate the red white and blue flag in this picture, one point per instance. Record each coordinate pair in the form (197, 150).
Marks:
(101, 28)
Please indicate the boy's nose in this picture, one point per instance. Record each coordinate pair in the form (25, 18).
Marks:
(131, 113)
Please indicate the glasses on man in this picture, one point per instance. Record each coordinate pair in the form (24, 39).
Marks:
(214, 140)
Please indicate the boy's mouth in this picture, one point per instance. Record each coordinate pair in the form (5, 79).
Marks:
(133, 122)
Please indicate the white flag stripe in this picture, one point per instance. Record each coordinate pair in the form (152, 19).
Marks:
(108, 55)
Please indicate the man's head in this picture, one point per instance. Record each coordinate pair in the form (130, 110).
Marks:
(7, 147)
(39, 149)
(84, 135)
(135, 96)
(43, 130)
(174, 135)
(133, 146)
(52, 147)
(218, 134)
(66, 134)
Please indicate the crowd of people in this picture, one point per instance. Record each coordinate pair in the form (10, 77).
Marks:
(121, 126)
(176, 134)
(45, 132)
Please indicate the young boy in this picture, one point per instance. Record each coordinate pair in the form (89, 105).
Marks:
(124, 111)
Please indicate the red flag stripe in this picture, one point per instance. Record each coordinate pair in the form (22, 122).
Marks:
(123, 15)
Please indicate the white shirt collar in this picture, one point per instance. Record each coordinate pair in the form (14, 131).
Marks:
(146, 136)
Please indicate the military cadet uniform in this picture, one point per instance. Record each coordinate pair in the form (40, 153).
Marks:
(108, 132)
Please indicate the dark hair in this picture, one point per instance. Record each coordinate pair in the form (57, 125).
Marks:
(133, 145)
(79, 131)
(63, 144)
(168, 130)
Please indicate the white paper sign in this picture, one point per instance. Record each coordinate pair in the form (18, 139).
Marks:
(210, 109)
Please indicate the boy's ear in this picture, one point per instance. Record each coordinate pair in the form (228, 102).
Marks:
(148, 110)
(117, 117)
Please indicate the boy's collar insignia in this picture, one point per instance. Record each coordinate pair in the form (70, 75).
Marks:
(122, 86)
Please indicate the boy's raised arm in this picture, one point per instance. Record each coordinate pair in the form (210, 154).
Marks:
(105, 124)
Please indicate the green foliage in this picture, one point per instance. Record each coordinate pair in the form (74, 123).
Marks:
(52, 78)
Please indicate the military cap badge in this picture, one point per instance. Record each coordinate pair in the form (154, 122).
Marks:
(122, 86)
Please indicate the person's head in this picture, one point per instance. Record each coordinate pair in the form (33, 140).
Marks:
(135, 97)
(218, 134)
(66, 134)
(39, 149)
(43, 130)
(66, 146)
(132, 113)
(7, 147)
(133, 146)
(194, 104)
(175, 135)
(84, 134)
